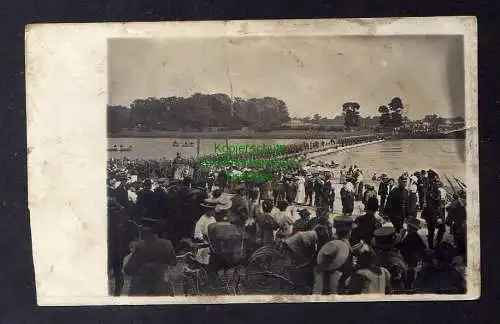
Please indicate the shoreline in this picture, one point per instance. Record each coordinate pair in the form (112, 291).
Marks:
(296, 135)
(327, 151)
(276, 134)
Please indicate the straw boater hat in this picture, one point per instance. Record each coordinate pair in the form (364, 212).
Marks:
(333, 255)
(209, 203)
(223, 203)
(413, 222)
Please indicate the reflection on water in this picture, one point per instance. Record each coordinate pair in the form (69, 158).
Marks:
(395, 157)
(391, 157)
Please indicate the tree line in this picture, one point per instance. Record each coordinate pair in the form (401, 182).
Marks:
(199, 111)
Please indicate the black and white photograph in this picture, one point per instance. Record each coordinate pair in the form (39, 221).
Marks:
(203, 199)
(315, 166)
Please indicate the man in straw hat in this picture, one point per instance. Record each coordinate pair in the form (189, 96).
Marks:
(389, 257)
(331, 260)
(208, 217)
(226, 240)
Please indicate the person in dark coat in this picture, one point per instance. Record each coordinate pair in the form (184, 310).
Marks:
(309, 187)
(438, 275)
(456, 219)
(422, 188)
(326, 194)
(148, 263)
(433, 214)
(322, 218)
(302, 224)
(347, 196)
(121, 233)
(146, 201)
(412, 247)
(238, 214)
(397, 206)
(383, 191)
(120, 194)
(369, 194)
(266, 224)
(318, 191)
(193, 209)
(367, 223)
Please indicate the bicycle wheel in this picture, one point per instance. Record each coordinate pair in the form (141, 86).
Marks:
(267, 272)
(195, 282)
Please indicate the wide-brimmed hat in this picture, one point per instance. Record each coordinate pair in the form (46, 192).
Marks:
(333, 255)
(223, 203)
(413, 222)
(209, 203)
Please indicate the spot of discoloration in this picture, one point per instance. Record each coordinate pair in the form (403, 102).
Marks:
(243, 28)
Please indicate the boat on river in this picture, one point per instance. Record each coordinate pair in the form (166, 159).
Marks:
(120, 148)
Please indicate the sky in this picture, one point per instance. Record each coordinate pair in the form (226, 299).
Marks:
(310, 74)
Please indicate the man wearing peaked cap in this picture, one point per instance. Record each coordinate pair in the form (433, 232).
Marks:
(397, 205)
(384, 236)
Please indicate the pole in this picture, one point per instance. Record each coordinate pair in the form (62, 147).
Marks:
(197, 146)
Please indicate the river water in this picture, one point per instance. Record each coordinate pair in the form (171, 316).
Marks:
(391, 157)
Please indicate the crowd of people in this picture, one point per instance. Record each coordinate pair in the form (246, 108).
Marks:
(381, 251)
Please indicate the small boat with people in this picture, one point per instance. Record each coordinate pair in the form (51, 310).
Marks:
(120, 148)
(175, 144)
(186, 144)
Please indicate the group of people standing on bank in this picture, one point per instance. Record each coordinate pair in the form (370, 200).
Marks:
(350, 255)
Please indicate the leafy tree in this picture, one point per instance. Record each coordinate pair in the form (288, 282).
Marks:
(434, 121)
(396, 107)
(118, 117)
(316, 118)
(351, 114)
(202, 110)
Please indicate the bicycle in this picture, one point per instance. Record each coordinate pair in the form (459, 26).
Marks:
(269, 271)
(198, 278)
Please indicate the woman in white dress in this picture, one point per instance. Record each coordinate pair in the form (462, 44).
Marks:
(301, 191)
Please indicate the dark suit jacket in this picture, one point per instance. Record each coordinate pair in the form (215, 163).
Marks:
(397, 205)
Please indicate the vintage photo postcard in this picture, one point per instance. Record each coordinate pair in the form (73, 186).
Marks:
(254, 161)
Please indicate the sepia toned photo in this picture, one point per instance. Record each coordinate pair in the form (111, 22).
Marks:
(241, 166)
